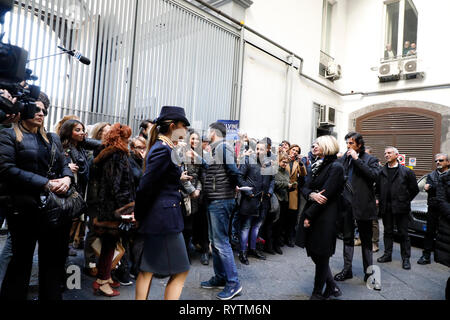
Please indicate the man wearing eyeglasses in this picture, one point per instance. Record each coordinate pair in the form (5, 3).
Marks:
(442, 164)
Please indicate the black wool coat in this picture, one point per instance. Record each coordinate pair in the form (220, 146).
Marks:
(320, 238)
(403, 190)
(442, 247)
(360, 192)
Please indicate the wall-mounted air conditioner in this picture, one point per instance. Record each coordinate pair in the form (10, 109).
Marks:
(389, 71)
(411, 68)
(327, 116)
(333, 71)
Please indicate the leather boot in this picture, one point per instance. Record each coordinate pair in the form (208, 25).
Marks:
(424, 259)
(256, 254)
(243, 257)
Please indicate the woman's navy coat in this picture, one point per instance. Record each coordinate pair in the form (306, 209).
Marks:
(158, 202)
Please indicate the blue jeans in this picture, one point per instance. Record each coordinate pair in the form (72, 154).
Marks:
(219, 214)
(5, 257)
(250, 225)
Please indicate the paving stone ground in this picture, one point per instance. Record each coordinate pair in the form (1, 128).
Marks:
(289, 277)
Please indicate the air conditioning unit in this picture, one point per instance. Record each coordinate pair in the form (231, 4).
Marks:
(389, 71)
(333, 71)
(327, 116)
(410, 68)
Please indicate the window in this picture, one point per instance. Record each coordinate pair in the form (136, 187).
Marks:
(401, 20)
(325, 46)
(326, 26)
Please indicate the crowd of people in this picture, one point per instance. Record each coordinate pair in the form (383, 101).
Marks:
(154, 198)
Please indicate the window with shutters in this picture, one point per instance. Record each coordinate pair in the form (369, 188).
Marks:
(414, 132)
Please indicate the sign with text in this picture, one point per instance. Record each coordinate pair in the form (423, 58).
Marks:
(232, 129)
(412, 162)
(402, 159)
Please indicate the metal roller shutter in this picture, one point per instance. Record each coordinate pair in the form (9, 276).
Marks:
(412, 131)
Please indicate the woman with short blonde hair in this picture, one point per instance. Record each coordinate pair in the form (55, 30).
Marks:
(317, 228)
(329, 145)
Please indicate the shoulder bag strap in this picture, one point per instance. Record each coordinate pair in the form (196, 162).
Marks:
(52, 159)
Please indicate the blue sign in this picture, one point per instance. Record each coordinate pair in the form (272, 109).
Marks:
(232, 129)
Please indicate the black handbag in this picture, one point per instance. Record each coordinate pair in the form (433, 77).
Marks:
(60, 209)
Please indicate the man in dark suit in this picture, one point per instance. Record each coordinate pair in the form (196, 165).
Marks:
(396, 188)
(361, 170)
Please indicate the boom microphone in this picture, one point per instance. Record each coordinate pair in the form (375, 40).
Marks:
(77, 55)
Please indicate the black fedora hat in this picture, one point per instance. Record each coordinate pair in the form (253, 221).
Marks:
(172, 113)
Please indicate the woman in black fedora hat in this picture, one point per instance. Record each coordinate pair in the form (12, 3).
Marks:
(158, 208)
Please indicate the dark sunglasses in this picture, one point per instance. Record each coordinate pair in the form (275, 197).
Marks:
(439, 160)
(44, 111)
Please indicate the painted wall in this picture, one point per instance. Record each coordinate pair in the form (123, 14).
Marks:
(357, 45)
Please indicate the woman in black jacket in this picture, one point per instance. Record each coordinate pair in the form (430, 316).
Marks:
(72, 134)
(317, 229)
(25, 171)
(257, 174)
(116, 190)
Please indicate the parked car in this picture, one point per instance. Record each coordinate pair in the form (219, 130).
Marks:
(419, 209)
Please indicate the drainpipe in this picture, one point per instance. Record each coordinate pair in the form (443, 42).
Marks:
(237, 112)
(288, 101)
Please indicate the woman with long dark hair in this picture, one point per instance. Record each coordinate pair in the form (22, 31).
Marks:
(116, 191)
(317, 228)
(72, 134)
(158, 207)
(26, 151)
(197, 220)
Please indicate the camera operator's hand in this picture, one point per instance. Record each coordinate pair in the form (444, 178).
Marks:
(59, 186)
(10, 118)
(13, 118)
(5, 93)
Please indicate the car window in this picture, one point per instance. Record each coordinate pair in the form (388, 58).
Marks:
(421, 183)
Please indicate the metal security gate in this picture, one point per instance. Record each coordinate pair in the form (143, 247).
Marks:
(144, 54)
(186, 60)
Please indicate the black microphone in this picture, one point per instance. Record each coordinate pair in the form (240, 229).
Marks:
(77, 55)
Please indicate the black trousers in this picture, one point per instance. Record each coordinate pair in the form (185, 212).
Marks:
(401, 220)
(290, 224)
(266, 230)
(365, 235)
(200, 229)
(430, 235)
(277, 229)
(26, 229)
(323, 274)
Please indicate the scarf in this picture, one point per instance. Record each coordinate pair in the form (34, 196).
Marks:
(166, 140)
(316, 166)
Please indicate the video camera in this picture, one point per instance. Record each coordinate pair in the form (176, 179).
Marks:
(13, 76)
